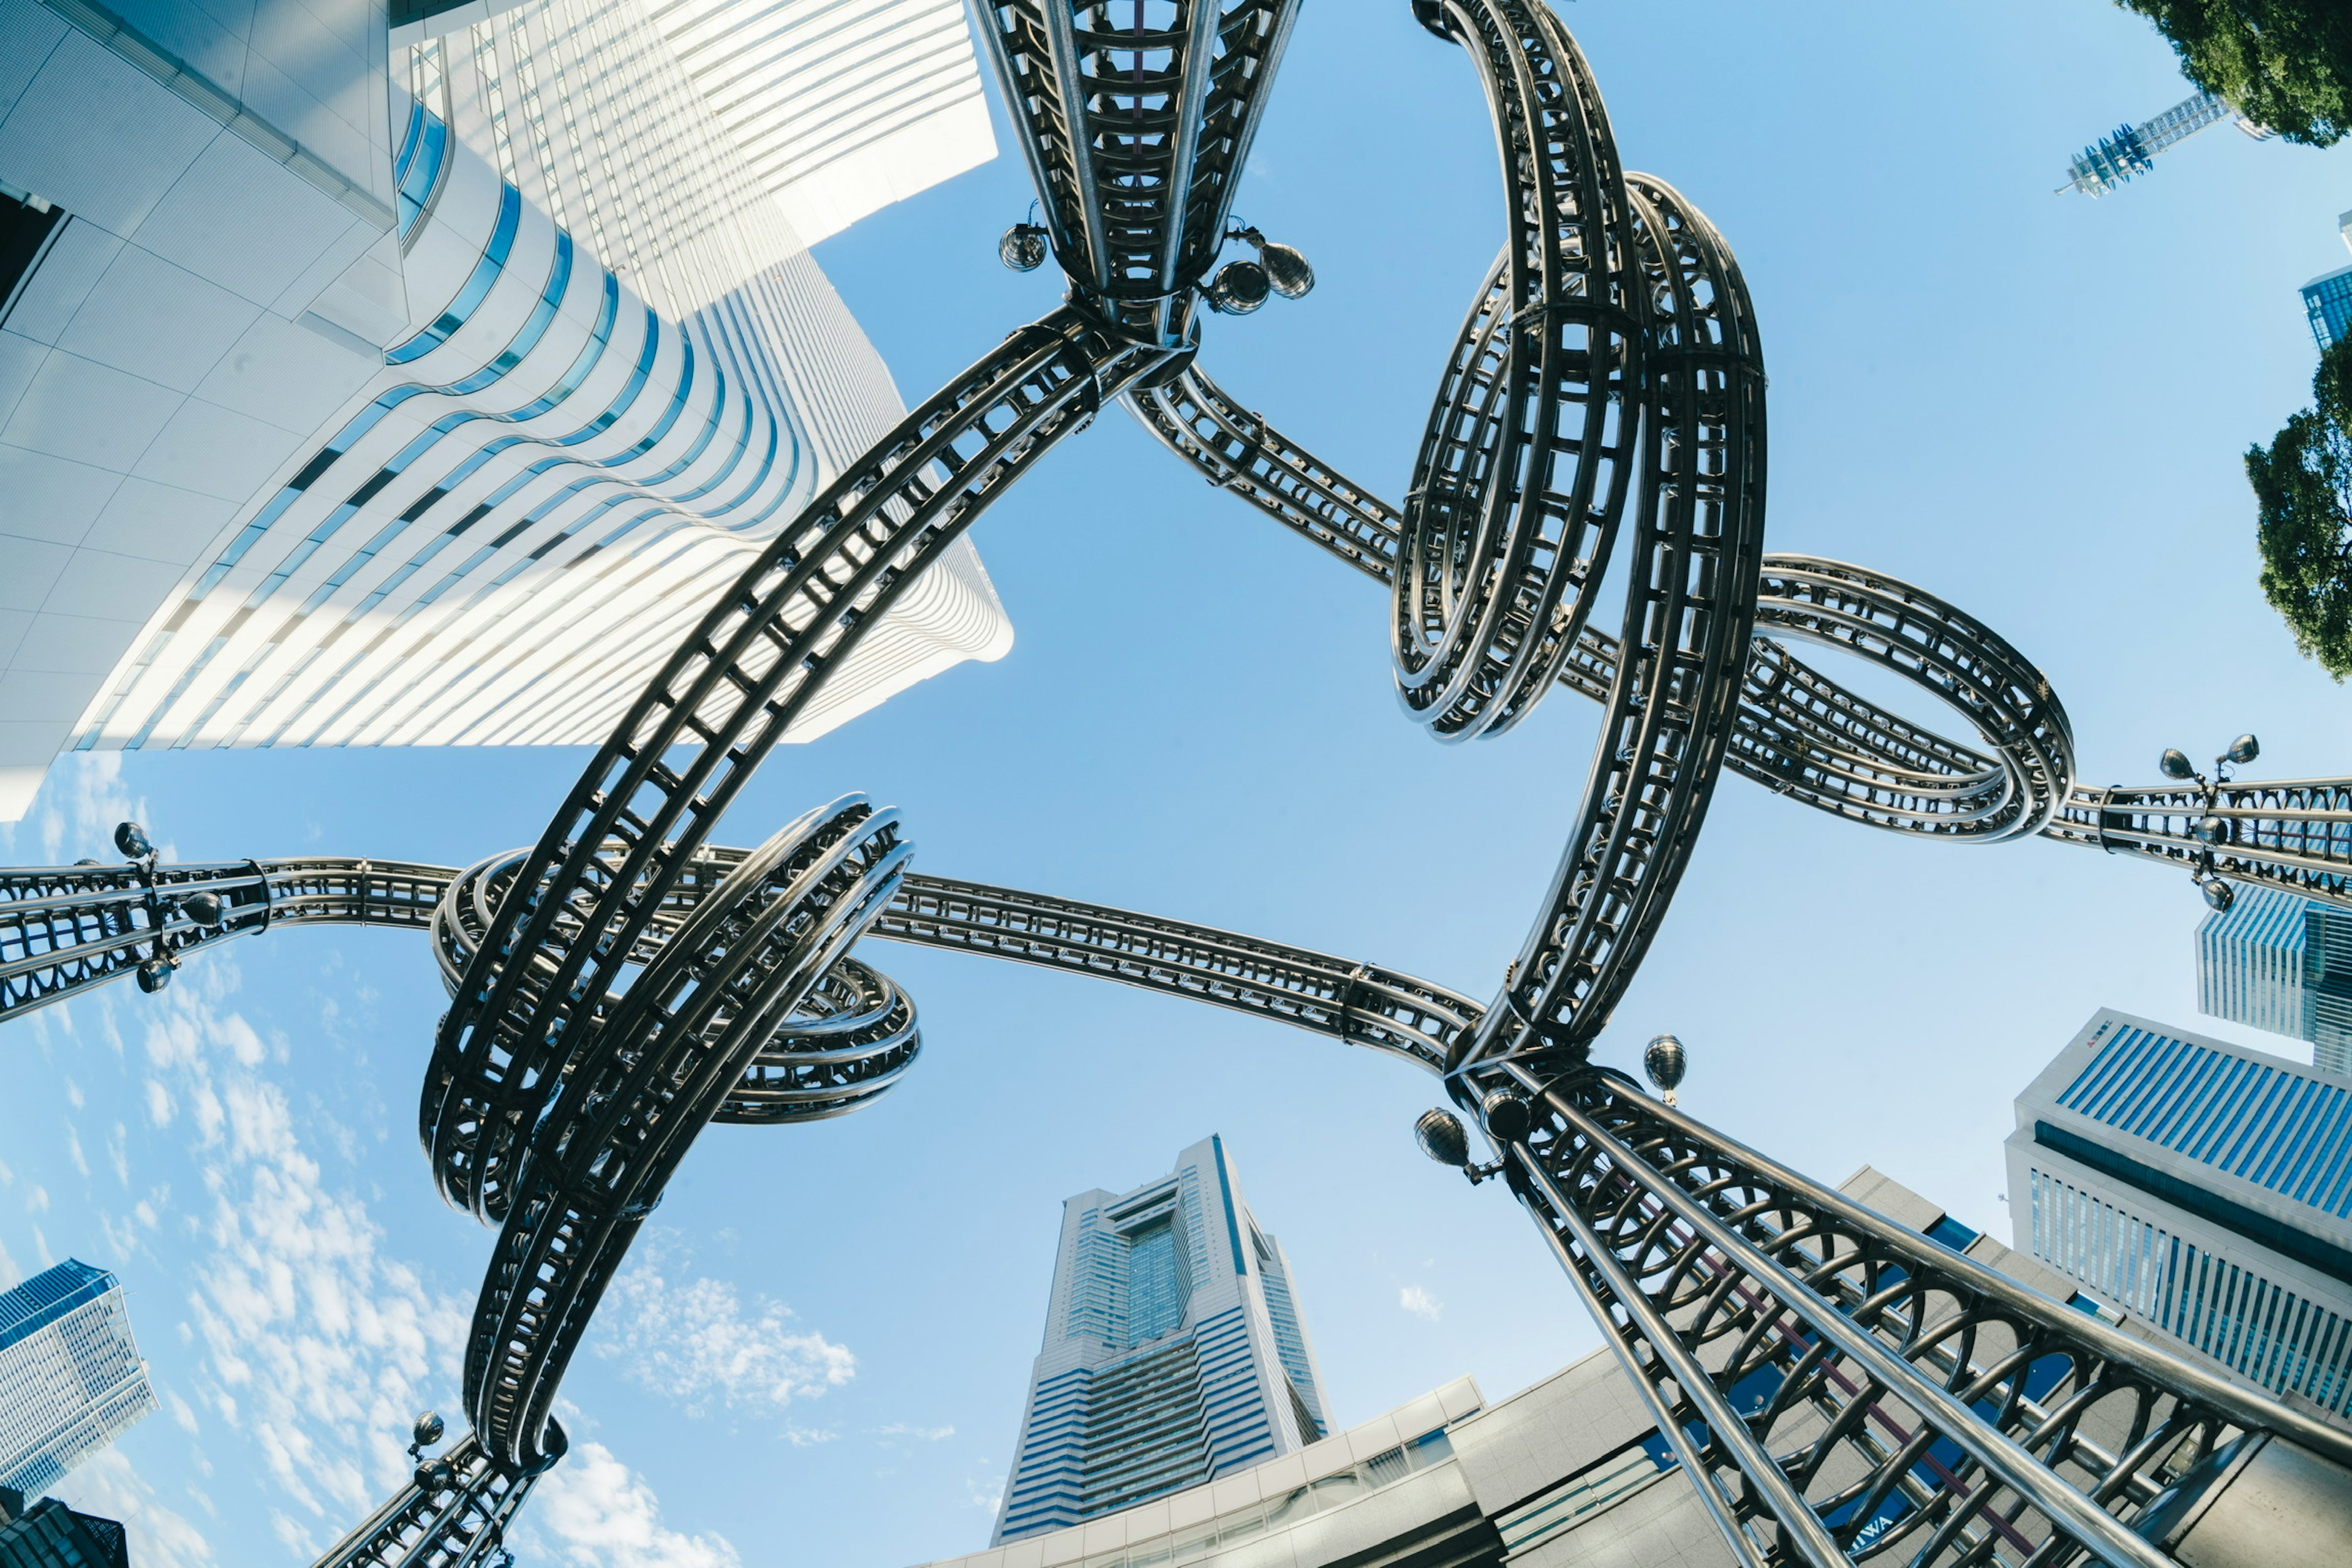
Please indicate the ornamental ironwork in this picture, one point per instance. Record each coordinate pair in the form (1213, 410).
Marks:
(1604, 405)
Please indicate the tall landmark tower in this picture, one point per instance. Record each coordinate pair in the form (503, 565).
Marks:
(71, 1376)
(2131, 150)
(1174, 1351)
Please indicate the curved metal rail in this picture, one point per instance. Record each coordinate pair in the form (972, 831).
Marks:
(1684, 644)
(457, 1526)
(1914, 1399)
(1881, 1357)
(559, 938)
(1524, 467)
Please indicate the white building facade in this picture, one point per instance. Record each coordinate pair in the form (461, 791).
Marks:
(430, 405)
(71, 1379)
(1174, 1351)
(2201, 1190)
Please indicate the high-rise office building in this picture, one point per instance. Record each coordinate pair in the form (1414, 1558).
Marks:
(2201, 1189)
(364, 393)
(1572, 1472)
(2275, 961)
(71, 1376)
(2131, 150)
(2328, 298)
(1174, 1353)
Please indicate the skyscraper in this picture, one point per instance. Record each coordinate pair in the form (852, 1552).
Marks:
(353, 404)
(2328, 298)
(71, 1376)
(2275, 961)
(1174, 1351)
(2131, 150)
(2202, 1189)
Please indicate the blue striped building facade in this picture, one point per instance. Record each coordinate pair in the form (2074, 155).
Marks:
(71, 1379)
(2282, 963)
(1174, 1351)
(2202, 1188)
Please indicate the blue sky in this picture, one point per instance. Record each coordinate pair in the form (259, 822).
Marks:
(2031, 405)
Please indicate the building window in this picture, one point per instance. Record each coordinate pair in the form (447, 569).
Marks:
(28, 226)
(1951, 1233)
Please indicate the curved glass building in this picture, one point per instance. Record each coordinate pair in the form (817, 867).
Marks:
(423, 394)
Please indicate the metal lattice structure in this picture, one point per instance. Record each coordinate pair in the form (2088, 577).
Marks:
(1605, 399)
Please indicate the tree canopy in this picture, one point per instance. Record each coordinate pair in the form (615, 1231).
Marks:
(2303, 488)
(2286, 63)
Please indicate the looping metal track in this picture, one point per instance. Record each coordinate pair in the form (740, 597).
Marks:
(1682, 648)
(1765, 1284)
(674, 1049)
(1522, 475)
(559, 939)
(624, 983)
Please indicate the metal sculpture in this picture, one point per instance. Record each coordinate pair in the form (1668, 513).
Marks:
(1896, 1396)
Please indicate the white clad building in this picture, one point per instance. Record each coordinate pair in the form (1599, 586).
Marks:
(427, 408)
(2201, 1190)
(71, 1379)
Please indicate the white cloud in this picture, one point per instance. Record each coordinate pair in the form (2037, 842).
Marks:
(36, 1200)
(106, 1485)
(921, 1433)
(319, 1346)
(80, 803)
(602, 1514)
(693, 1342)
(1420, 1303)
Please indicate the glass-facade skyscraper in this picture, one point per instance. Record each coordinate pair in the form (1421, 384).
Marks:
(1174, 1353)
(2202, 1188)
(71, 1380)
(2275, 961)
(2328, 298)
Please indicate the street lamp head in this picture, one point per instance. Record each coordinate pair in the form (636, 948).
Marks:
(1665, 1062)
(428, 1429)
(1023, 249)
(1239, 287)
(434, 1477)
(1287, 269)
(206, 909)
(2211, 830)
(2219, 895)
(1439, 1134)
(131, 840)
(2175, 764)
(2243, 749)
(153, 976)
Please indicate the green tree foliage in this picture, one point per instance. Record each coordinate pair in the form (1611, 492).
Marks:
(2286, 63)
(2303, 487)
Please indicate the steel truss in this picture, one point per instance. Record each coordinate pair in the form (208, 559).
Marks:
(1836, 1386)
(1717, 1273)
(453, 1526)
